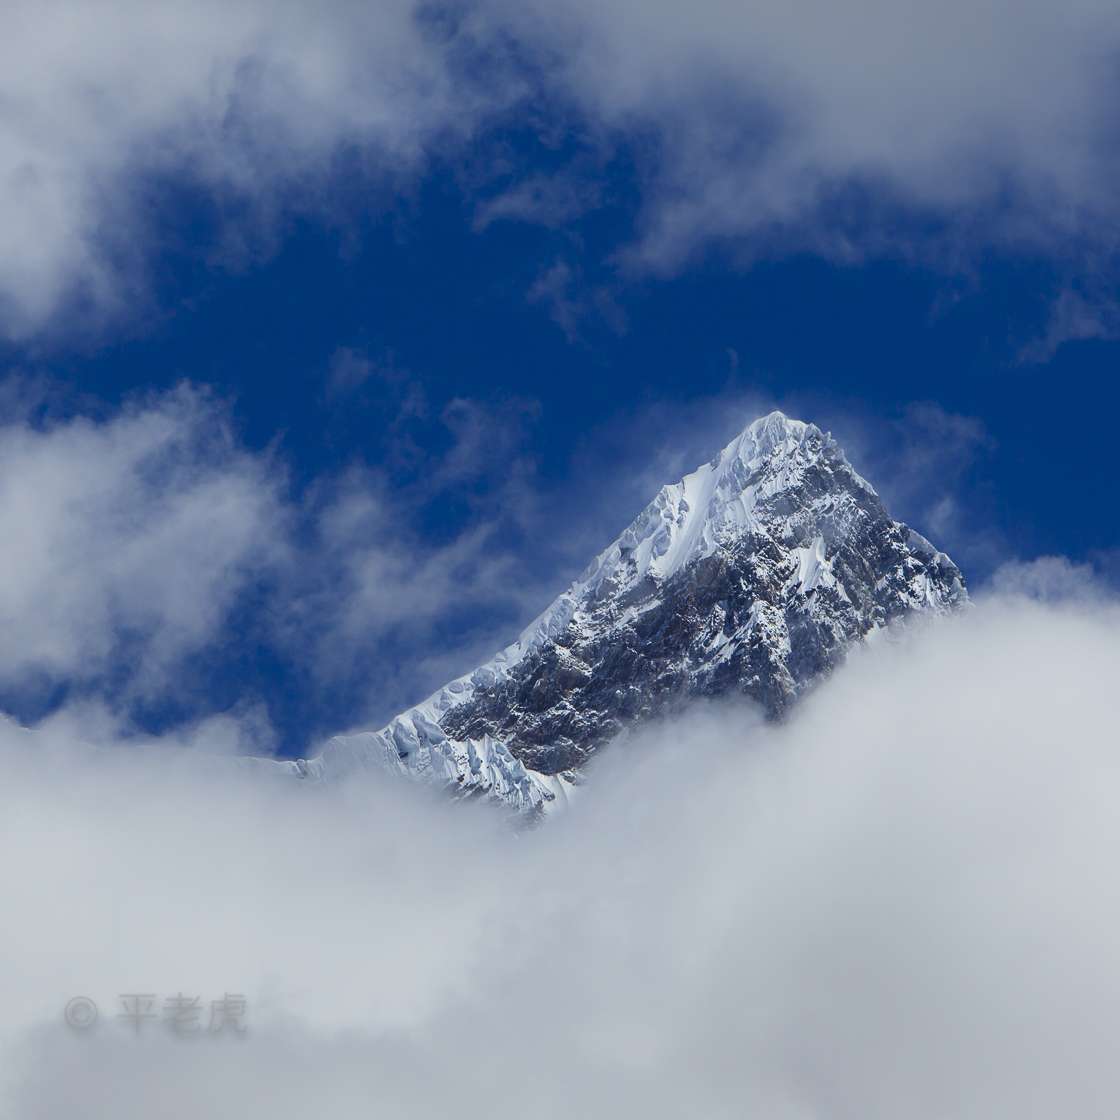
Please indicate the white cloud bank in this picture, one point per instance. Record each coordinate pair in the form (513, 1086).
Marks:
(995, 120)
(903, 903)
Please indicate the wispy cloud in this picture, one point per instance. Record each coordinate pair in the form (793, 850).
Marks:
(920, 461)
(573, 303)
(1075, 315)
(127, 539)
(145, 543)
(1051, 579)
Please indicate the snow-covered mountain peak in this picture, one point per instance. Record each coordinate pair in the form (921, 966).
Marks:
(753, 574)
(723, 497)
(762, 436)
(773, 439)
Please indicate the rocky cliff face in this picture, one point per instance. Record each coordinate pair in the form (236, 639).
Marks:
(752, 575)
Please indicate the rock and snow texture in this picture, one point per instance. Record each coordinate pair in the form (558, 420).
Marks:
(753, 574)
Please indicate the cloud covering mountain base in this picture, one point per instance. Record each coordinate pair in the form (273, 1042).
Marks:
(900, 903)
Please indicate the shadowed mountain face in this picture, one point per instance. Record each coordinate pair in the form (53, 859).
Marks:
(752, 575)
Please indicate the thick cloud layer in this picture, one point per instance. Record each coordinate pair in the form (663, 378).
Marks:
(780, 126)
(901, 903)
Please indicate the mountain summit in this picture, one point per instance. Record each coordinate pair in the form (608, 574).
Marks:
(751, 575)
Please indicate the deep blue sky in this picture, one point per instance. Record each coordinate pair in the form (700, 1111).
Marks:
(449, 306)
(435, 301)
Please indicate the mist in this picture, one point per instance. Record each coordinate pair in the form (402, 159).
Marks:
(902, 902)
